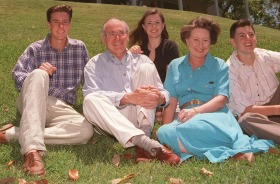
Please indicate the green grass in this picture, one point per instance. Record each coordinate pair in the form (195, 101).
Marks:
(23, 22)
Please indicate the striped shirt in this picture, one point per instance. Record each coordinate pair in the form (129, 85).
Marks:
(70, 65)
(252, 85)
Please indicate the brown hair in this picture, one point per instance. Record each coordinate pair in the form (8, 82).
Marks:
(204, 23)
(240, 23)
(139, 36)
(59, 8)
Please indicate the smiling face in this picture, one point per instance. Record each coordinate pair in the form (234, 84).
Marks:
(199, 43)
(59, 25)
(115, 37)
(244, 40)
(153, 26)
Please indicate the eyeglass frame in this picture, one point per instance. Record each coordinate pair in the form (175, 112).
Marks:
(114, 34)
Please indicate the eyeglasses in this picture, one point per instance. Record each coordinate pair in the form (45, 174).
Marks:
(114, 34)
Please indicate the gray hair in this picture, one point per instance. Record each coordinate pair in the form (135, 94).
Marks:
(114, 19)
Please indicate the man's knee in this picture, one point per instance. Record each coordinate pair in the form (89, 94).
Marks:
(86, 132)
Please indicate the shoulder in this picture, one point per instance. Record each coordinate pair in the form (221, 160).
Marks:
(76, 43)
(215, 62)
(139, 57)
(95, 59)
(176, 62)
(169, 43)
(265, 52)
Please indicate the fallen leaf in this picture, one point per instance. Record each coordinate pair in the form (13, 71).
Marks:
(176, 181)
(6, 109)
(94, 141)
(22, 181)
(73, 174)
(7, 180)
(116, 160)
(10, 163)
(119, 180)
(127, 156)
(206, 172)
(43, 181)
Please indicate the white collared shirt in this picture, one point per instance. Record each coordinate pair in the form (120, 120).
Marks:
(252, 85)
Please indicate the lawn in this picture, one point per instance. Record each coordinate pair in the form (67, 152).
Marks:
(24, 21)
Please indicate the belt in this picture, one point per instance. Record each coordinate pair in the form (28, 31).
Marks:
(192, 102)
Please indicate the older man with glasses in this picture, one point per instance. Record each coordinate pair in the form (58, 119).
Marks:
(122, 91)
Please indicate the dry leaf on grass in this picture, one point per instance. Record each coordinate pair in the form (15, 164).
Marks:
(94, 141)
(7, 180)
(43, 181)
(6, 109)
(22, 181)
(206, 172)
(73, 174)
(119, 180)
(116, 160)
(10, 163)
(176, 181)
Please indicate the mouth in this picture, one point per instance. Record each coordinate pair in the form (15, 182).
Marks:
(248, 45)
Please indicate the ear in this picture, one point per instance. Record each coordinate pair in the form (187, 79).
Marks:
(186, 42)
(232, 42)
(49, 25)
(103, 39)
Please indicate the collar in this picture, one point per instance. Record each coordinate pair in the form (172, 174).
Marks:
(46, 41)
(207, 63)
(125, 60)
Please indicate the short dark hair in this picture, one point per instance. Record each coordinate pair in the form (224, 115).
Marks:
(204, 23)
(240, 23)
(59, 8)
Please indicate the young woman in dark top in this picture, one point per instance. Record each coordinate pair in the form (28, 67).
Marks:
(150, 37)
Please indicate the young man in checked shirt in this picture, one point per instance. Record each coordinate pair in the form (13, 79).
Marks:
(47, 76)
(255, 91)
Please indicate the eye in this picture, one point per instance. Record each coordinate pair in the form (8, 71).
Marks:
(251, 35)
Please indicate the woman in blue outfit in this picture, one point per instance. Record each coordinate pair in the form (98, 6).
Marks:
(204, 128)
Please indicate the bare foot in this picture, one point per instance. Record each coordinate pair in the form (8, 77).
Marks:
(250, 157)
(244, 156)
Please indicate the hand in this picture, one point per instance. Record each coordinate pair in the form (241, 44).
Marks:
(186, 114)
(48, 68)
(136, 49)
(148, 97)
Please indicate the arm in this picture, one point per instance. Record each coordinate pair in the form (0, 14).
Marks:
(212, 105)
(169, 111)
(269, 110)
(24, 65)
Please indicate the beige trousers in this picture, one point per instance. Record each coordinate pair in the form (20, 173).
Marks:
(122, 123)
(264, 127)
(46, 119)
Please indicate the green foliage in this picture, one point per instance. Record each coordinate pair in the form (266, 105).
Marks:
(23, 22)
(262, 12)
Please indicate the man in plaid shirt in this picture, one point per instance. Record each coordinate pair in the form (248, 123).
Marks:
(47, 76)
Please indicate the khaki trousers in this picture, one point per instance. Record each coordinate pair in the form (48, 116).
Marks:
(126, 122)
(46, 119)
(264, 127)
